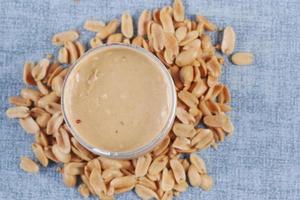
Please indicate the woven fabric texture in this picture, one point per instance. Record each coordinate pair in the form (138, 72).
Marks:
(260, 161)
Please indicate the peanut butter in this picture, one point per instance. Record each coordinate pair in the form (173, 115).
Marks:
(117, 99)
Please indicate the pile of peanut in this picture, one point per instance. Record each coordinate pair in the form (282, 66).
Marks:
(185, 48)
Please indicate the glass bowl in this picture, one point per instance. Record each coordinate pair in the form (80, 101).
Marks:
(152, 143)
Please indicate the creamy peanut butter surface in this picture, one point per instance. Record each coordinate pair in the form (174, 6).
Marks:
(117, 99)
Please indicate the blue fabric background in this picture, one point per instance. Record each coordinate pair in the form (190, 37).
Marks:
(261, 160)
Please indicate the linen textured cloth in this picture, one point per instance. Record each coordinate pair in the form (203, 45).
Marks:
(260, 161)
